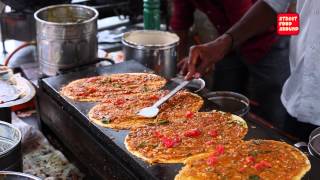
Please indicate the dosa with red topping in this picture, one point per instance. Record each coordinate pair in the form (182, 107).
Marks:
(186, 136)
(95, 88)
(252, 160)
(120, 112)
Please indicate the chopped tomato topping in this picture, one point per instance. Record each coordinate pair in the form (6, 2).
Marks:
(258, 167)
(192, 133)
(262, 165)
(213, 133)
(219, 149)
(210, 142)
(92, 90)
(154, 97)
(212, 160)
(119, 101)
(189, 114)
(92, 79)
(87, 91)
(157, 134)
(265, 163)
(106, 101)
(177, 139)
(242, 169)
(168, 142)
(81, 93)
(249, 160)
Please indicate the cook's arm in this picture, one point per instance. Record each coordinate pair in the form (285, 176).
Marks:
(182, 49)
(257, 20)
(181, 21)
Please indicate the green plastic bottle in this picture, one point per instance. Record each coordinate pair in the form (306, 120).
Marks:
(151, 14)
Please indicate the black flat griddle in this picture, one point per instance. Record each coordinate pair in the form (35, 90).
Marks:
(69, 121)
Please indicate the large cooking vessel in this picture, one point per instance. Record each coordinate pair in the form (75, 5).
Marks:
(10, 148)
(154, 49)
(66, 37)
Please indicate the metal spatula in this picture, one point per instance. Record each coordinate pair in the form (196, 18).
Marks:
(152, 111)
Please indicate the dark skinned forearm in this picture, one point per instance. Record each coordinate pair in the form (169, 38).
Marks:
(257, 20)
(183, 44)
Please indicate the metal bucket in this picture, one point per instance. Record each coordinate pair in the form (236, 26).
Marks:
(10, 148)
(66, 37)
(10, 175)
(154, 49)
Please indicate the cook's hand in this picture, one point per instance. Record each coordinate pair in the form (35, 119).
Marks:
(203, 57)
(183, 66)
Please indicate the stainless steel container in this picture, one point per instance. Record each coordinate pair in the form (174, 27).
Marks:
(66, 37)
(313, 146)
(10, 175)
(228, 101)
(154, 49)
(10, 148)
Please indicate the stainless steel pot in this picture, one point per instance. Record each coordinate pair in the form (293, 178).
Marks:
(10, 175)
(10, 148)
(154, 49)
(66, 37)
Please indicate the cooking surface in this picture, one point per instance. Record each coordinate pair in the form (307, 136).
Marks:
(113, 140)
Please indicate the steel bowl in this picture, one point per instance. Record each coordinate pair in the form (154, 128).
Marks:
(10, 148)
(228, 101)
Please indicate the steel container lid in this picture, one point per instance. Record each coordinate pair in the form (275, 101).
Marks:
(150, 39)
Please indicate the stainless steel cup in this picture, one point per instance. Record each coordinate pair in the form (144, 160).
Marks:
(66, 37)
(154, 49)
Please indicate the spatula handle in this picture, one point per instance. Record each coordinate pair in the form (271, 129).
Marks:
(171, 93)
